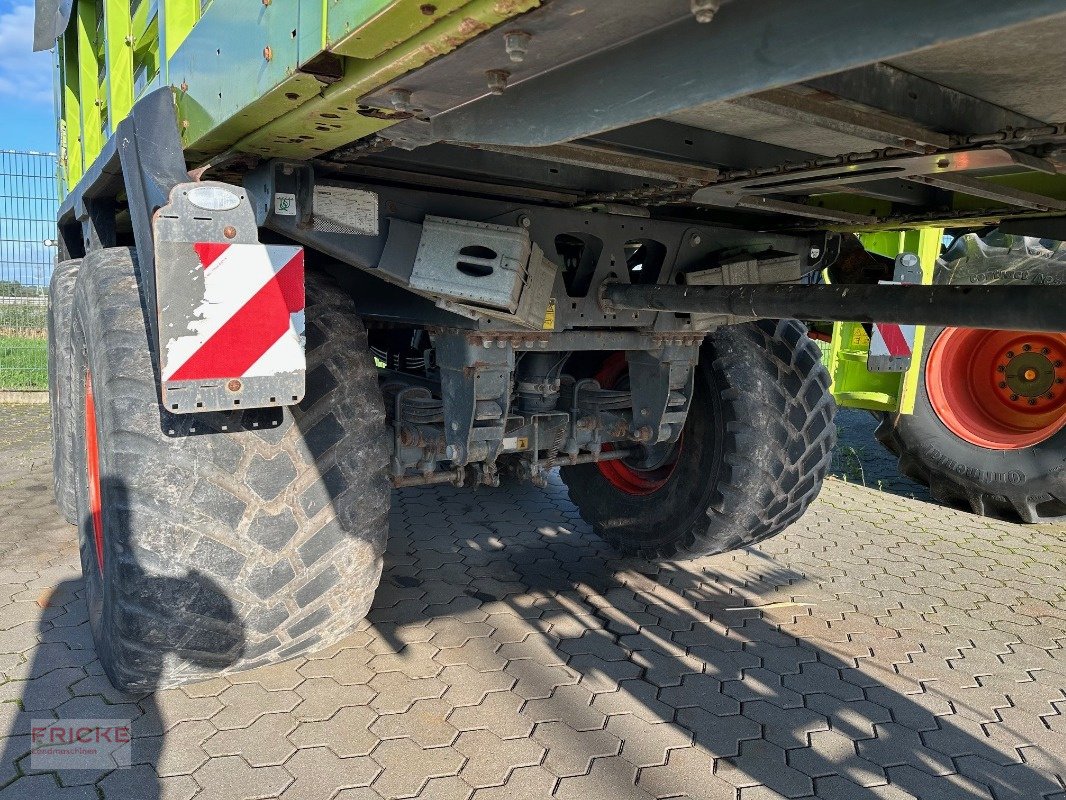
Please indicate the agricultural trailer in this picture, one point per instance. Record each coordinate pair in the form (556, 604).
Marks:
(312, 253)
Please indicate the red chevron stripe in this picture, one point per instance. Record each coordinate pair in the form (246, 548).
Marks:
(250, 332)
(209, 252)
(895, 341)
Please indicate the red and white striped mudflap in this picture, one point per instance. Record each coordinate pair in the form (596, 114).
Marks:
(231, 325)
(891, 347)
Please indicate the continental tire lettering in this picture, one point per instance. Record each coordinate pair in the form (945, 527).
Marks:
(1029, 277)
(1013, 477)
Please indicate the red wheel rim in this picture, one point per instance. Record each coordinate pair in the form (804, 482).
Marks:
(92, 461)
(1002, 390)
(619, 474)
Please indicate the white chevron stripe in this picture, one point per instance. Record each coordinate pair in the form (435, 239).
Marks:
(230, 281)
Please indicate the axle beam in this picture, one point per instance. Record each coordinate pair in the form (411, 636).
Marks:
(1028, 308)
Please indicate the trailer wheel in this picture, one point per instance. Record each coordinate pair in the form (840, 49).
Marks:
(60, 308)
(988, 432)
(755, 449)
(222, 541)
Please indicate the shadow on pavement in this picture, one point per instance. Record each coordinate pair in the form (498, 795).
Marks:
(167, 609)
(693, 648)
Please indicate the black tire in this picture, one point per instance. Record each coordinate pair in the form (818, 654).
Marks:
(756, 447)
(60, 307)
(1027, 484)
(234, 539)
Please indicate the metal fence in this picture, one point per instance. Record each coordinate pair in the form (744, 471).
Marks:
(28, 204)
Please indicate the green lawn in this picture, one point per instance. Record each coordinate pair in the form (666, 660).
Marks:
(23, 363)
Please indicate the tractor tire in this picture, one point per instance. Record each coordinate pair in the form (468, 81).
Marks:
(756, 446)
(221, 541)
(959, 454)
(60, 308)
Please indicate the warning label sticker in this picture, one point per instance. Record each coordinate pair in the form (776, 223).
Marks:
(549, 316)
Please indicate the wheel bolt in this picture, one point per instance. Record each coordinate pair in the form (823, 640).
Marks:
(1001, 368)
(1050, 395)
(1045, 350)
(1014, 397)
(1058, 363)
(1032, 401)
(1002, 384)
(1027, 347)
(1010, 354)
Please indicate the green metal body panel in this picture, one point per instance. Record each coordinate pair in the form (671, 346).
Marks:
(245, 74)
(91, 95)
(854, 386)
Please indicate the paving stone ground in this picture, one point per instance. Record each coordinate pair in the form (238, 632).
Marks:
(884, 647)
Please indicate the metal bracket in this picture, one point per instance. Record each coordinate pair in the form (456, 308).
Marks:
(476, 389)
(661, 385)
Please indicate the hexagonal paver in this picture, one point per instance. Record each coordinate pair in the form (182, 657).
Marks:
(261, 744)
(498, 712)
(407, 767)
(243, 703)
(320, 774)
(231, 778)
(426, 722)
(490, 759)
(347, 732)
(570, 753)
(569, 704)
(396, 692)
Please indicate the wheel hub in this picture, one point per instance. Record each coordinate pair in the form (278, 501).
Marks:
(1002, 390)
(1029, 376)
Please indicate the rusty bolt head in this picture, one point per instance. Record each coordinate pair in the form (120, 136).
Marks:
(428, 9)
(401, 100)
(516, 43)
(268, 54)
(234, 385)
(229, 231)
(704, 10)
(643, 434)
(184, 86)
(497, 80)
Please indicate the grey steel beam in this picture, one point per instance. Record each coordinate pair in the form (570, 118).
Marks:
(821, 179)
(810, 107)
(602, 157)
(928, 103)
(770, 205)
(695, 145)
(749, 47)
(976, 187)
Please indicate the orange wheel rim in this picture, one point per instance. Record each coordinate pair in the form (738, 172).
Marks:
(622, 476)
(92, 461)
(1002, 390)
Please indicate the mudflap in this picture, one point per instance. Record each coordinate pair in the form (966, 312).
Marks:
(230, 310)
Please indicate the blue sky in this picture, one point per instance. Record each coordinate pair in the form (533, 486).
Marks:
(25, 83)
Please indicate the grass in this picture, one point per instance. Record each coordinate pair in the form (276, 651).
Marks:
(23, 363)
